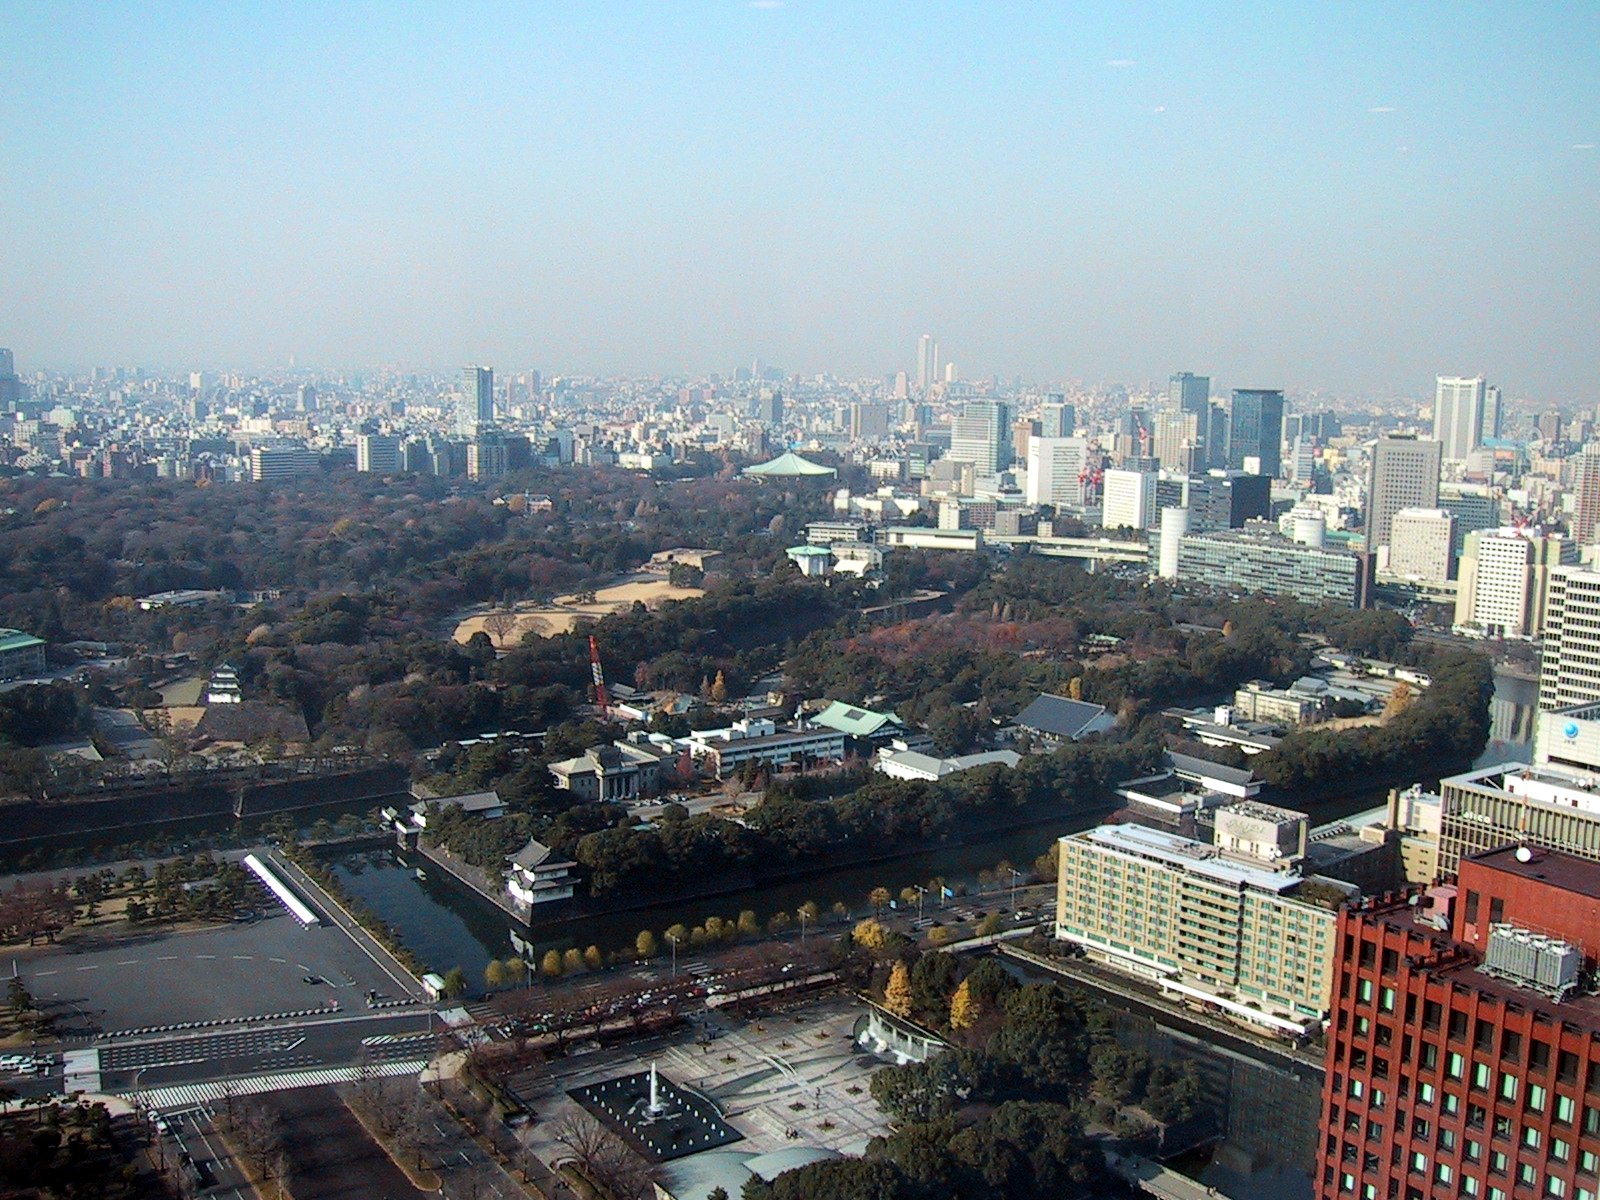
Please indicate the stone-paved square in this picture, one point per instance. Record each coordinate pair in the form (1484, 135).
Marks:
(659, 1119)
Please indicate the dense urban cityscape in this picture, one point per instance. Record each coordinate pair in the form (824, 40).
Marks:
(640, 656)
(792, 601)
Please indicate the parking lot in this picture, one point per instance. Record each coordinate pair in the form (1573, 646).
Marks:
(164, 978)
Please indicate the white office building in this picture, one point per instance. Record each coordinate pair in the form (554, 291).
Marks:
(1503, 578)
(1420, 541)
(1056, 467)
(1458, 408)
(377, 452)
(1569, 666)
(1129, 499)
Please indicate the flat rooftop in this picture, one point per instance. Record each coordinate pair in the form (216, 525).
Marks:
(1565, 871)
(1186, 854)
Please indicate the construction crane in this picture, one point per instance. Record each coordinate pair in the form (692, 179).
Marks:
(602, 701)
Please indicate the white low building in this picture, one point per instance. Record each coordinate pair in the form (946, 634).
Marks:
(537, 875)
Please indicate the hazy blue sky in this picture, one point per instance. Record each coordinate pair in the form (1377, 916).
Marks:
(1352, 196)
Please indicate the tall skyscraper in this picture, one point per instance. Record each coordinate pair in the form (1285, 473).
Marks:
(1586, 494)
(1402, 472)
(1255, 429)
(10, 385)
(1177, 440)
(477, 400)
(1458, 406)
(1058, 418)
(1493, 415)
(981, 435)
(927, 362)
(1569, 663)
(1189, 393)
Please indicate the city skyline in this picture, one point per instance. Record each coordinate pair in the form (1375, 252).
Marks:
(1051, 194)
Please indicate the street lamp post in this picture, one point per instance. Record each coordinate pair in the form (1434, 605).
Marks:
(921, 892)
(802, 913)
(1015, 875)
(674, 942)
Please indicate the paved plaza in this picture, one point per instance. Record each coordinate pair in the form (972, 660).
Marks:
(786, 1080)
(167, 978)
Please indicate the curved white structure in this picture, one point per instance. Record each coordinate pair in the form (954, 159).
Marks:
(280, 889)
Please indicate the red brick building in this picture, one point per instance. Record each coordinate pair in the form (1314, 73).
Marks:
(1465, 1060)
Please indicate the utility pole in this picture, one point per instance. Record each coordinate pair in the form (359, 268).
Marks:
(1015, 875)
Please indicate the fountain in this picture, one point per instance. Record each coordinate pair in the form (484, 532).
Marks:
(659, 1119)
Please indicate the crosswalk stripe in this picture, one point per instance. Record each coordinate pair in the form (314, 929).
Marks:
(191, 1094)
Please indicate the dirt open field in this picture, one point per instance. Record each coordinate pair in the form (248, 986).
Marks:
(566, 612)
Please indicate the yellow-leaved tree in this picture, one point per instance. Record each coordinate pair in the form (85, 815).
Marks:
(897, 992)
(964, 1008)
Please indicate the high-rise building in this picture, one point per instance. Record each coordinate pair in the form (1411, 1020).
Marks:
(486, 454)
(1058, 419)
(1493, 415)
(477, 400)
(1458, 406)
(10, 385)
(1474, 506)
(377, 453)
(1503, 580)
(269, 464)
(1056, 470)
(1223, 500)
(1420, 543)
(1255, 430)
(927, 363)
(1402, 472)
(1586, 494)
(768, 408)
(1177, 440)
(868, 421)
(1128, 500)
(1189, 393)
(306, 399)
(981, 435)
(1569, 662)
(1463, 1053)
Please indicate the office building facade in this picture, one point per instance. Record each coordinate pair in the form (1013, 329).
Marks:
(1255, 431)
(1275, 566)
(981, 435)
(1459, 1065)
(1569, 661)
(1402, 472)
(1420, 542)
(1231, 927)
(1056, 471)
(477, 400)
(377, 452)
(1503, 581)
(1128, 499)
(1458, 405)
